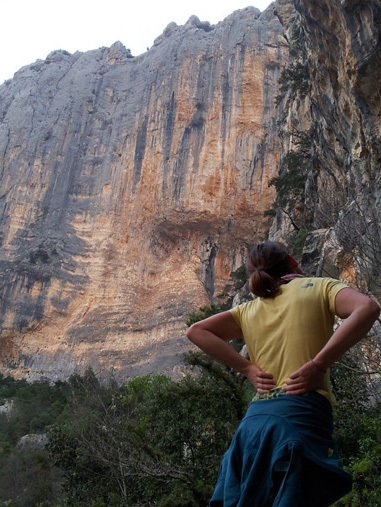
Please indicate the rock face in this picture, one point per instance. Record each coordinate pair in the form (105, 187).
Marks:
(130, 190)
(334, 98)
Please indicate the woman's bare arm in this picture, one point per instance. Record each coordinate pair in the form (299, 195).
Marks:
(211, 336)
(360, 312)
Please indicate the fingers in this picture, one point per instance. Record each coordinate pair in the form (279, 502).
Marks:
(298, 388)
(304, 380)
(262, 387)
(262, 381)
(265, 377)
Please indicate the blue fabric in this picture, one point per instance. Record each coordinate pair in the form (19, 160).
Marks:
(294, 432)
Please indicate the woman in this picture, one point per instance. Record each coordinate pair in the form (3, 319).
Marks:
(282, 453)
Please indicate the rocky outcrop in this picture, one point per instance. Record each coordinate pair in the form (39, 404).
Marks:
(32, 442)
(333, 97)
(130, 190)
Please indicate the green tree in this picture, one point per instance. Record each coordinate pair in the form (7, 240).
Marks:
(290, 184)
(27, 478)
(295, 79)
(152, 442)
(358, 427)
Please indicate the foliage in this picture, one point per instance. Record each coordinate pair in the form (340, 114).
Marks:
(296, 241)
(291, 183)
(358, 431)
(28, 479)
(350, 389)
(269, 213)
(295, 78)
(154, 442)
(239, 276)
(203, 313)
(26, 475)
(365, 466)
(34, 407)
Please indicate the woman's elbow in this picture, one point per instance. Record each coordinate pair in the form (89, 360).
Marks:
(188, 334)
(192, 332)
(374, 310)
(349, 301)
(370, 311)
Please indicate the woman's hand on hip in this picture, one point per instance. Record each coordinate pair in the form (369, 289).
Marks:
(307, 378)
(262, 381)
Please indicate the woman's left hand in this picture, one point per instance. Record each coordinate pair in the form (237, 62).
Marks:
(307, 378)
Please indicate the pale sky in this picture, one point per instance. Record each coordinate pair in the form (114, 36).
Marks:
(31, 29)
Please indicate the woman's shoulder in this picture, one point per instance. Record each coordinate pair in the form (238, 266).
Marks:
(245, 306)
(311, 281)
(322, 285)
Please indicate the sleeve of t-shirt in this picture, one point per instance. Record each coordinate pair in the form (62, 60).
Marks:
(237, 313)
(332, 288)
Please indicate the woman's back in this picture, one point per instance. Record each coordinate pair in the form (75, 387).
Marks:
(283, 332)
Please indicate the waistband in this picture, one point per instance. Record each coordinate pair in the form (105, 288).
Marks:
(275, 393)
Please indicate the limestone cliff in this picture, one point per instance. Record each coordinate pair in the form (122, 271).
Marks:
(132, 187)
(130, 190)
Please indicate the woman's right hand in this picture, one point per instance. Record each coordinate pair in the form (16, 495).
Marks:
(262, 381)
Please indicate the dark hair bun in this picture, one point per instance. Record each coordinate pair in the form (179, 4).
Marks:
(266, 264)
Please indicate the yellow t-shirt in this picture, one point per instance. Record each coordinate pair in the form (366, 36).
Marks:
(283, 333)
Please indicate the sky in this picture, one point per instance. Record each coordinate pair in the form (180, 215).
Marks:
(31, 29)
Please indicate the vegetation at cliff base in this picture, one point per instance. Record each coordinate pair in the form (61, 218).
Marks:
(153, 441)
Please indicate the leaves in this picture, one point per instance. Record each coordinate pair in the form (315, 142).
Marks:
(150, 439)
(158, 443)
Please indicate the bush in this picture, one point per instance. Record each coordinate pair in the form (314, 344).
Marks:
(365, 466)
(153, 442)
(203, 313)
